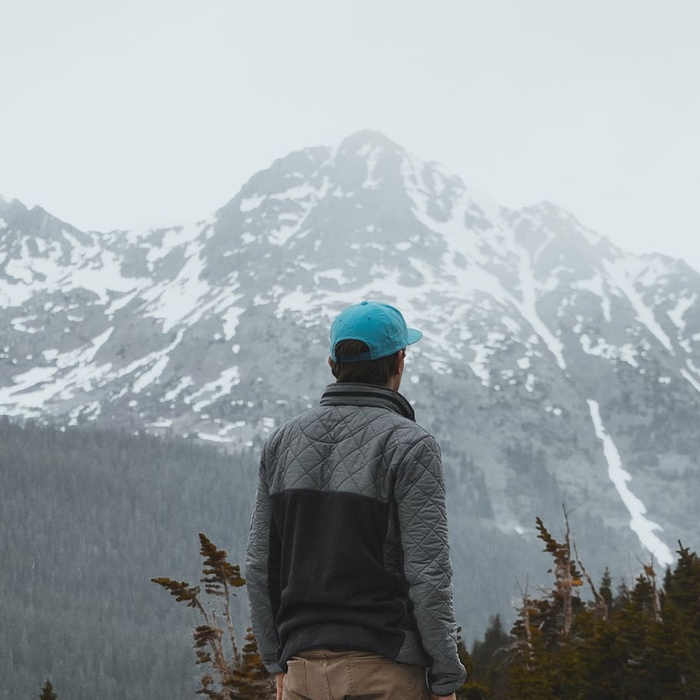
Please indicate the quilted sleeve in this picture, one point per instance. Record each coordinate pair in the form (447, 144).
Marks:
(260, 574)
(420, 502)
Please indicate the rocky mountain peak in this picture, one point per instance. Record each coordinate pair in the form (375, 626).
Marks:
(365, 141)
(544, 344)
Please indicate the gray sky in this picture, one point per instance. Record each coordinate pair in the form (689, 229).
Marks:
(139, 112)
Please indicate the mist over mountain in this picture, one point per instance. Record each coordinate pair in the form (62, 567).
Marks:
(555, 369)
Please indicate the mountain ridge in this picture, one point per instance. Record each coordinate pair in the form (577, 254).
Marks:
(546, 346)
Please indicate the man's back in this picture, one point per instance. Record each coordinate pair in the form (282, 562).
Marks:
(358, 544)
(348, 550)
(331, 481)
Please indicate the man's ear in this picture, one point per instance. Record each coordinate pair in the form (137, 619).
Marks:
(330, 362)
(401, 361)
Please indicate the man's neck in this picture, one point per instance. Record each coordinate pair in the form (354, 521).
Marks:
(394, 383)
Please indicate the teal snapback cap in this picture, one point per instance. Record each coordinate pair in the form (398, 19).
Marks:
(380, 326)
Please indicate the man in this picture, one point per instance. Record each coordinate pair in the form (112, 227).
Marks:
(348, 564)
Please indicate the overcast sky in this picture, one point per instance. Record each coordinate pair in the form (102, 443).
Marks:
(116, 114)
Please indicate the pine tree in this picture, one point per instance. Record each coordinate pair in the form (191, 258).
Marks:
(47, 691)
(551, 652)
(681, 613)
(606, 593)
(486, 678)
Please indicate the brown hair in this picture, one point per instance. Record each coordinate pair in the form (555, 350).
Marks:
(377, 372)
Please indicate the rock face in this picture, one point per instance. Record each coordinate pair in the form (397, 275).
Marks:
(556, 368)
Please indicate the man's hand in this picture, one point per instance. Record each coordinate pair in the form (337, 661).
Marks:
(442, 697)
(279, 678)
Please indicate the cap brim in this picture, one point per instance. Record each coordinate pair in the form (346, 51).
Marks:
(414, 335)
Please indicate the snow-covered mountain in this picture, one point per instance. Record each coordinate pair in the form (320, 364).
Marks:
(556, 368)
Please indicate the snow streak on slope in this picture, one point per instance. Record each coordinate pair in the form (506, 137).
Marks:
(151, 365)
(645, 529)
(528, 308)
(629, 271)
(690, 378)
(624, 274)
(172, 301)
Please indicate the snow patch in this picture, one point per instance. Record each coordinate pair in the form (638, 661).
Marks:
(21, 383)
(373, 153)
(625, 271)
(691, 379)
(155, 362)
(644, 529)
(213, 437)
(682, 306)
(151, 375)
(627, 353)
(336, 274)
(173, 238)
(179, 388)
(173, 301)
(231, 318)
(211, 391)
(160, 423)
(250, 203)
(20, 324)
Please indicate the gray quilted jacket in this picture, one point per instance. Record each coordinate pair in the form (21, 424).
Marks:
(348, 543)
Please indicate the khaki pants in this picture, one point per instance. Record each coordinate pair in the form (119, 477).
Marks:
(352, 675)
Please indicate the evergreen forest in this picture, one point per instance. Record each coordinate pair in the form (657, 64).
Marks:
(638, 642)
(87, 518)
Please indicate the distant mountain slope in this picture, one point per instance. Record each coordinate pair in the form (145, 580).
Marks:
(556, 368)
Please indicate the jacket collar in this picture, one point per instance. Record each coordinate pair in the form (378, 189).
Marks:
(347, 394)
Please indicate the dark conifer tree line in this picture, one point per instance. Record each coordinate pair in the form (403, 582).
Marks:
(87, 518)
(639, 643)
